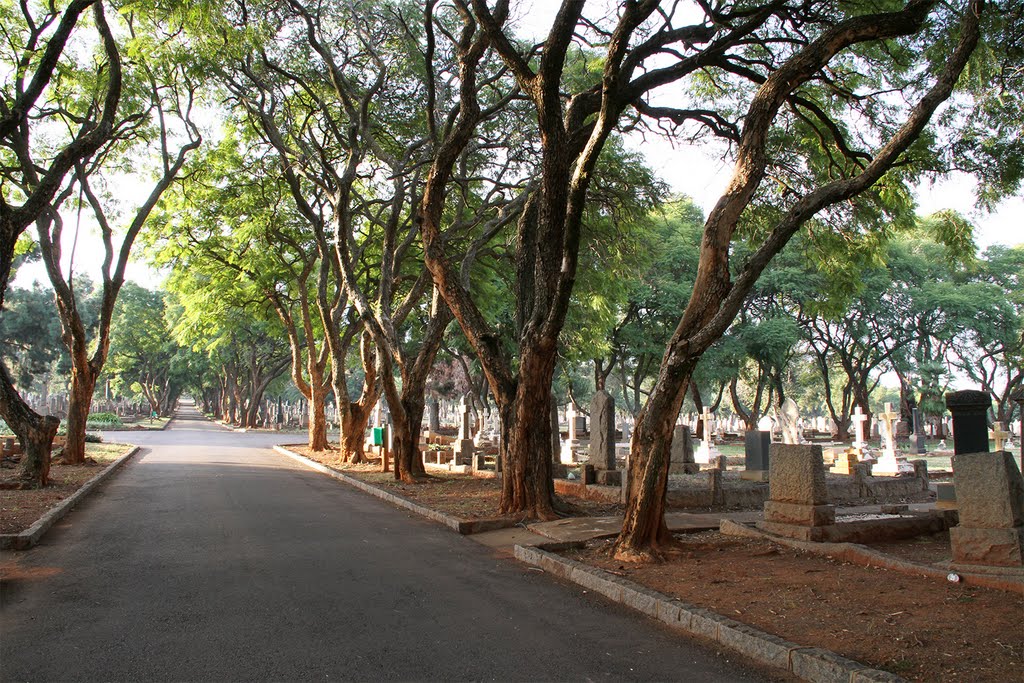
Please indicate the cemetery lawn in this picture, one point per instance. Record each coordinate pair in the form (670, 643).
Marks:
(20, 509)
(918, 628)
(459, 495)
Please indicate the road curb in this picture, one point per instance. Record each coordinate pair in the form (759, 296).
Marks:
(461, 526)
(31, 536)
(807, 663)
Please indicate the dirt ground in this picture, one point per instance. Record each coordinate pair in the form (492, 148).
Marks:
(20, 509)
(921, 629)
(459, 495)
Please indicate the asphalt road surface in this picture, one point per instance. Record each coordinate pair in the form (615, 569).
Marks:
(209, 557)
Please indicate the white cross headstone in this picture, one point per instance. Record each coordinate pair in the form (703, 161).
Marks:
(859, 417)
(706, 452)
(890, 463)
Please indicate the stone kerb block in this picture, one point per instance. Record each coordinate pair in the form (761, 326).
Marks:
(990, 500)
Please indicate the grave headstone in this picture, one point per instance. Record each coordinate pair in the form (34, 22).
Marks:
(970, 420)
(845, 462)
(464, 446)
(990, 502)
(757, 444)
(797, 505)
(890, 463)
(789, 416)
(602, 433)
(707, 451)
(917, 443)
(999, 435)
(859, 417)
(433, 417)
(681, 453)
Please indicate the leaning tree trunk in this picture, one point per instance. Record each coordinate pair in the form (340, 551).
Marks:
(406, 436)
(83, 382)
(35, 432)
(317, 415)
(353, 431)
(644, 533)
(526, 485)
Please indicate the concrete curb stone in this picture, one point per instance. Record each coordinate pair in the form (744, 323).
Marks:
(31, 536)
(808, 663)
(461, 526)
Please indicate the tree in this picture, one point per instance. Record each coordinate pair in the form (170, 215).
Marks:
(35, 166)
(801, 85)
(159, 121)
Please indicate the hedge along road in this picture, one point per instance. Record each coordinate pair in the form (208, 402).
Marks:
(210, 557)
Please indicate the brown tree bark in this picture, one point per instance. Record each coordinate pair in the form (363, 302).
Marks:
(35, 433)
(83, 382)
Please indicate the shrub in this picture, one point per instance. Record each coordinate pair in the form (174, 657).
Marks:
(104, 419)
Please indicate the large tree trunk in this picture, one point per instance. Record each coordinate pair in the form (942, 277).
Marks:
(83, 382)
(526, 485)
(317, 415)
(34, 431)
(644, 533)
(406, 436)
(353, 431)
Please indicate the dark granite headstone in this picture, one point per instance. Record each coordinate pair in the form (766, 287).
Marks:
(756, 450)
(917, 444)
(970, 420)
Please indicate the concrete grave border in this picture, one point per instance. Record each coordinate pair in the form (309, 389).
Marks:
(807, 663)
(461, 526)
(31, 536)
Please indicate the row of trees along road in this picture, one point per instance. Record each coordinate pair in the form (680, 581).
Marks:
(376, 179)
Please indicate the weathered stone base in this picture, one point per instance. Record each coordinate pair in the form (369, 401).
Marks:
(945, 496)
(799, 513)
(754, 475)
(795, 531)
(684, 468)
(988, 547)
(609, 477)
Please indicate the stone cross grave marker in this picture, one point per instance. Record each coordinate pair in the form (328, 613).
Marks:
(999, 435)
(890, 463)
(570, 417)
(859, 418)
(887, 419)
(707, 452)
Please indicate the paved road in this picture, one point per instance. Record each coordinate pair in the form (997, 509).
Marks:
(211, 558)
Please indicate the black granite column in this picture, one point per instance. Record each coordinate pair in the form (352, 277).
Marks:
(970, 420)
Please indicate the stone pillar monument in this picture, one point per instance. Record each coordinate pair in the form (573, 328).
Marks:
(602, 431)
(970, 420)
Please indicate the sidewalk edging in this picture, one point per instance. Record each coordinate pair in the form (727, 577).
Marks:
(31, 536)
(461, 526)
(808, 663)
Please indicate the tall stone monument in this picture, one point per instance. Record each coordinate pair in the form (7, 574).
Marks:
(602, 431)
